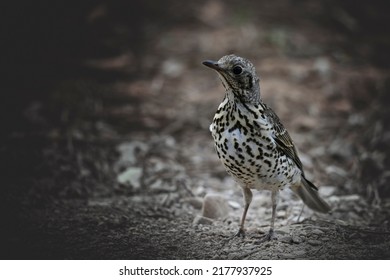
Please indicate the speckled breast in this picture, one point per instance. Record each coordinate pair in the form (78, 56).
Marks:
(250, 157)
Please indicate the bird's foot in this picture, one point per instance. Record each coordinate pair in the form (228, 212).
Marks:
(267, 237)
(240, 233)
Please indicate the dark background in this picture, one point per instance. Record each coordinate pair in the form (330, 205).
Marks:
(81, 78)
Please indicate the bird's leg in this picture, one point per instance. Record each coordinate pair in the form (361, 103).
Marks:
(275, 198)
(271, 235)
(247, 199)
(300, 214)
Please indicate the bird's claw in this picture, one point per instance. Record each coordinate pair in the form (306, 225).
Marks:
(240, 233)
(267, 237)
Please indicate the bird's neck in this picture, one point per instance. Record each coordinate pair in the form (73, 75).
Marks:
(250, 98)
(236, 106)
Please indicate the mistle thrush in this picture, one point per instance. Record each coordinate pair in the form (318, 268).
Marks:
(252, 143)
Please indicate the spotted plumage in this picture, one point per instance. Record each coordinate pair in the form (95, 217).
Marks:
(252, 143)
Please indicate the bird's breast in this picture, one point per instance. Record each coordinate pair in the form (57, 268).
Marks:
(248, 154)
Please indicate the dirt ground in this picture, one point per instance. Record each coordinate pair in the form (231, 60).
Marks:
(105, 151)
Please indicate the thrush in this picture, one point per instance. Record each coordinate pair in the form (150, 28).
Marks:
(252, 143)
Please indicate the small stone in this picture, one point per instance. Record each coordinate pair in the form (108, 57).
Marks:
(352, 197)
(234, 204)
(200, 220)
(340, 222)
(129, 151)
(195, 202)
(317, 231)
(156, 185)
(314, 242)
(283, 230)
(215, 206)
(300, 252)
(332, 169)
(296, 239)
(131, 177)
(281, 214)
(326, 191)
(285, 239)
(322, 66)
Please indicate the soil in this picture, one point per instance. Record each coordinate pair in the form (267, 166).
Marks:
(105, 150)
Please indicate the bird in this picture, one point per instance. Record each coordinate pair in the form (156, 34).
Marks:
(252, 143)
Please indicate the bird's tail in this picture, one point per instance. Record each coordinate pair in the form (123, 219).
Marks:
(309, 195)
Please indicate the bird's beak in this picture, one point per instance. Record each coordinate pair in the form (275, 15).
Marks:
(212, 64)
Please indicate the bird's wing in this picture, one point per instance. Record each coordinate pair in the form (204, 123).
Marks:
(282, 138)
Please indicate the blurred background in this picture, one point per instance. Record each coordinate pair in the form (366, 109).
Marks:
(105, 150)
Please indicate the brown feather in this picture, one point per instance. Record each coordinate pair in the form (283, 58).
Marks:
(282, 138)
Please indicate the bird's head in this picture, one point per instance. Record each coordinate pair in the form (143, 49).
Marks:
(238, 76)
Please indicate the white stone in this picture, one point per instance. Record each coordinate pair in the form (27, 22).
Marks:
(131, 177)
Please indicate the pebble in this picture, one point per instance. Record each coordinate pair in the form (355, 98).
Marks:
(327, 191)
(352, 197)
(195, 202)
(300, 252)
(131, 176)
(234, 204)
(200, 220)
(215, 206)
(317, 231)
(281, 214)
(323, 67)
(129, 150)
(332, 169)
(283, 230)
(314, 242)
(285, 239)
(296, 239)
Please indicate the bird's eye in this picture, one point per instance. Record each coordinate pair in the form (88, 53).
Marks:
(237, 70)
